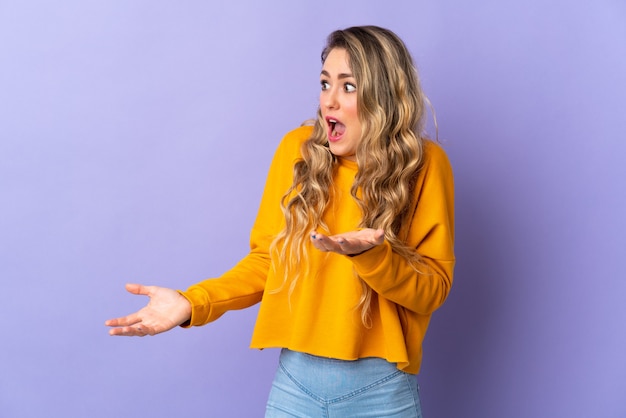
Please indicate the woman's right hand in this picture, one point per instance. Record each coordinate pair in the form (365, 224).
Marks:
(166, 309)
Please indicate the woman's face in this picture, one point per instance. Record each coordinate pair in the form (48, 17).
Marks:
(338, 104)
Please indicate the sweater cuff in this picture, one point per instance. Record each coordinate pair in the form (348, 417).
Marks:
(369, 260)
(200, 307)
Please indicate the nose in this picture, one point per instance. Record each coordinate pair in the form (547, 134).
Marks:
(329, 99)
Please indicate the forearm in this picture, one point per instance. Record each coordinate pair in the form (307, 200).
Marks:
(239, 288)
(421, 288)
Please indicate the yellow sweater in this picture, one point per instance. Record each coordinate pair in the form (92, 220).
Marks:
(320, 317)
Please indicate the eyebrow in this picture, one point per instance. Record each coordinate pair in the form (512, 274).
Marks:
(340, 76)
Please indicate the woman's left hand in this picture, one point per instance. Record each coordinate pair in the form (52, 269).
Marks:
(348, 243)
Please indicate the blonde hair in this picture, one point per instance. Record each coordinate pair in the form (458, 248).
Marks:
(391, 109)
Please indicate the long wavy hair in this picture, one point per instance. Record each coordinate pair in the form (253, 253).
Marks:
(391, 109)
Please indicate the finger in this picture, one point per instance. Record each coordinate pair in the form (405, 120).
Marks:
(323, 242)
(319, 245)
(379, 236)
(357, 246)
(315, 236)
(345, 245)
(332, 244)
(137, 289)
(124, 321)
(348, 247)
(122, 332)
(318, 240)
(138, 331)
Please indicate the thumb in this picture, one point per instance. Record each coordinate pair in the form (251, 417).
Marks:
(136, 289)
(379, 236)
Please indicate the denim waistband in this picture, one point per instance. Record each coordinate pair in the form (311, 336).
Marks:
(326, 378)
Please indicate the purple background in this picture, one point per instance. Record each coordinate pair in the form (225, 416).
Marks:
(134, 142)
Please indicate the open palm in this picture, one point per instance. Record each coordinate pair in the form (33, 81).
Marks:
(348, 243)
(166, 309)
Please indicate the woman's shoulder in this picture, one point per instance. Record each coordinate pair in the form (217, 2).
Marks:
(299, 134)
(435, 160)
(434, 152)
(293, 140)
(291, 144)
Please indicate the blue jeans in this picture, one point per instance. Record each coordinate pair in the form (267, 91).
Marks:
(310, 386)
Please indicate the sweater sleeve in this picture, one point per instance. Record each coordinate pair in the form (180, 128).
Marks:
(431, 231)
(243, 285)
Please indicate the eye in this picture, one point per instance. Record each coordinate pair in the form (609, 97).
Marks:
(349, 88)
(325, 84)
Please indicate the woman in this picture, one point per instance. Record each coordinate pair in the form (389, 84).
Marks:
(352, 249)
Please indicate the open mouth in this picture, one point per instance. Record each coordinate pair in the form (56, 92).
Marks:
(335, 129)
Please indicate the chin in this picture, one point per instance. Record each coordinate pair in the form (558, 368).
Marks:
(342, 153)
